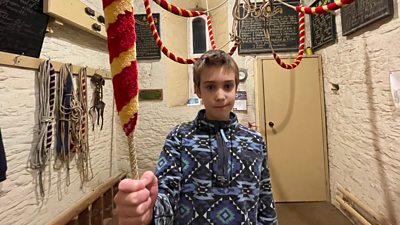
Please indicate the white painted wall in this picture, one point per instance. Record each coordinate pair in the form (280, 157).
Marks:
(362, 124)
(20, 201)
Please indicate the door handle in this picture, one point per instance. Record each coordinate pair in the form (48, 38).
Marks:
(271, 124)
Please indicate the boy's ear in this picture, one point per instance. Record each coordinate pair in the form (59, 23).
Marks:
(197, 91)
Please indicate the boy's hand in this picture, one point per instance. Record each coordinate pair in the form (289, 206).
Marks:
(135, 200)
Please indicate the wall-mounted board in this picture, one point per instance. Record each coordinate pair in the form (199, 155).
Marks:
(74, 12)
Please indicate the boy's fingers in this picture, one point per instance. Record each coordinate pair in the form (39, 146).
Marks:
(148, 177)
(134, 210)
(129, 185)
(132, 198)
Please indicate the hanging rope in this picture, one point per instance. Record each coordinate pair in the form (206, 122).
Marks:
(39, 156)
(324, 8)
(161, 45)
(120, 23)
(178, 11)
(210, 32)
(301, 46)
(64, 103)
(83, 155)
(157, 38)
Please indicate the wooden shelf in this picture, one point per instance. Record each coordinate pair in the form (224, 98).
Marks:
(26, 62)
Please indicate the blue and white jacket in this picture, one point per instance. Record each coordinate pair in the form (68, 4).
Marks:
(213, 172)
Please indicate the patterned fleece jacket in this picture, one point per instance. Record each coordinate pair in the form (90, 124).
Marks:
(213, 172)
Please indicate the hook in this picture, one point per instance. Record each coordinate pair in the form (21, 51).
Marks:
(16, 59)
(335, 87)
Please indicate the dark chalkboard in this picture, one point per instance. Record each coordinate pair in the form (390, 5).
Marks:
(323, 26)
(146, 46)
(360, 13)
(22, 26)
(283, 28)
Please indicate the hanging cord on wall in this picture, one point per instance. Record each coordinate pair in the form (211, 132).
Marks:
(41, 154)
(83, 155)
(63, 119)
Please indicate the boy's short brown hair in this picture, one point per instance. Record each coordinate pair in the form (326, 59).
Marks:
(214, 58)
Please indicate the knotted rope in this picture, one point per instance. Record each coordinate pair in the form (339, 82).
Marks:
(39, 156)
(120, 23)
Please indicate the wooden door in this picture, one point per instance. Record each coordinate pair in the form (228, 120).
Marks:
(293, 116)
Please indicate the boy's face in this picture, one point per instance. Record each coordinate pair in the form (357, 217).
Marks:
(217, 90)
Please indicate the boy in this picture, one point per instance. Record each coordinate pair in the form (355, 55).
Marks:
(211, 170)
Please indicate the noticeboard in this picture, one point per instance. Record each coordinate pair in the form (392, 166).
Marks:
(361, 13)
(323, 27)
(283, 28)
(22, 26)
(146, 46)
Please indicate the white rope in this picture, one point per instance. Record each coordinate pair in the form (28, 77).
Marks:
(41, 154)
(216, 7)
(286, 4)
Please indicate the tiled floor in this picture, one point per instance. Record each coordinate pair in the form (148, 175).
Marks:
(310, 213)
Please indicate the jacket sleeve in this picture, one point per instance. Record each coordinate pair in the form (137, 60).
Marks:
(169, 177)
(266, 210)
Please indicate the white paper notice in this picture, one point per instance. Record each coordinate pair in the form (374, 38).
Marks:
(241, 101)
(395, 87)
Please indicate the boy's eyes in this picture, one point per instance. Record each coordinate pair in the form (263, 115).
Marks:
(227, 86)
(210, 87)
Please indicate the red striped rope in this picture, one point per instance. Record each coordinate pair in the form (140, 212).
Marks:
(178, 11)
(161, 45)
(301, 47)
(210, 32)
(323, 9)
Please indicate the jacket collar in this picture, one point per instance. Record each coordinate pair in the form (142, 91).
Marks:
(204, 124)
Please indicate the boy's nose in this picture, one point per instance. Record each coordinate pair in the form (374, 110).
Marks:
(220, 95)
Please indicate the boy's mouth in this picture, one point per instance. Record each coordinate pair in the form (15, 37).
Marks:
(220, 106)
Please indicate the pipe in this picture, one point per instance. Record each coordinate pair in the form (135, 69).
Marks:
(352, 211)
(359, 204)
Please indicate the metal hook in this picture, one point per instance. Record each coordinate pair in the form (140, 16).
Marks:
(16, 59)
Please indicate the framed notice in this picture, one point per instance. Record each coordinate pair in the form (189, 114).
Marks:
(146, 46)
(323, 26)
(22, 26)
(283, 28)
(361, 13)
(150, 94)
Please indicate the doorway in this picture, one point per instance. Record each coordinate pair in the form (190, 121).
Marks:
(292, 119)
